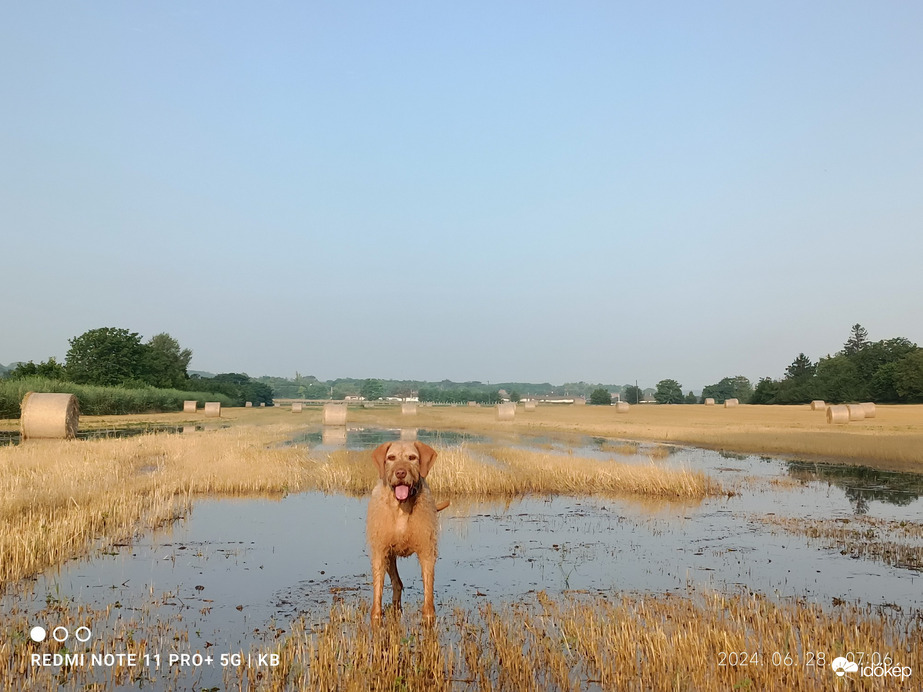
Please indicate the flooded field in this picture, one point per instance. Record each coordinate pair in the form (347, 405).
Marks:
(234, 574)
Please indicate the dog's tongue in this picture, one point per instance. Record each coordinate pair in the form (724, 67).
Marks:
(401, 492)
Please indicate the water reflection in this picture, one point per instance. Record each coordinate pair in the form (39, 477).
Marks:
(356, 437)
(862, 484)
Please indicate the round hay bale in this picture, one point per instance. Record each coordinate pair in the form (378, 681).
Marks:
(262, 404)
(818, 405)
(334, 414)
(530, 405)
(409, 434)
(837, 414)
(48, 416)
(189, 406)
(731, 403)
(249, 404)
(408, 409)
(856, 411)
(506, 411)
(869, 409)
(297, 407)
(473, 404)
(212, 409)
(622, 407)
(709, 402)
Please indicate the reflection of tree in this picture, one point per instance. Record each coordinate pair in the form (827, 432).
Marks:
(862, 484)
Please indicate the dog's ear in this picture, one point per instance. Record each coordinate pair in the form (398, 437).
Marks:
(378, 456)
(427, 457)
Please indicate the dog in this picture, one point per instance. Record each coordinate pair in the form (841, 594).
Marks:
(402, 520)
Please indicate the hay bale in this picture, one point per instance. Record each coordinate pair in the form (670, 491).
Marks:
(856, 411)
(262, 404)
(48, 416)
(530, 405)
(473, 404)
(622, 407)
(334, 414)
(869, 409)
(249, 404)
(409, 434)
(579, 401)
(818, 405)
(408, 409)
(297, 407)
(189, 406)
(212, 409)
(731, 403)
(709, 402)
(837, 414)
(506, 411)
(188, 429)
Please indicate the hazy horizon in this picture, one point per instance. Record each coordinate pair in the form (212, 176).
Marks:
(519, 192)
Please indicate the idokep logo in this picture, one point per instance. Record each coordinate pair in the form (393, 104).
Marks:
(841, 666)
(880, 668)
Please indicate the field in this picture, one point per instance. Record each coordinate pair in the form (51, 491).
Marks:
(63, 500)
(893, 439)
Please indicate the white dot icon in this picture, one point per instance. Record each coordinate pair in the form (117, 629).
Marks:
(38, 634)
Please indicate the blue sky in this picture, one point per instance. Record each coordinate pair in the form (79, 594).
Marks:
(517, 191)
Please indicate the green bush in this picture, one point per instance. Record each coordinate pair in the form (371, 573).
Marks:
(102, 401)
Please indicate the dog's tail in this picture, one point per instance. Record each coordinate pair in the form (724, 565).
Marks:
(442, 505)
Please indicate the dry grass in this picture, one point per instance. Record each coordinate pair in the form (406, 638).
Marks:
(895, 543)
(580, 642)
(58, 498)
(489, 471)
(572, 642)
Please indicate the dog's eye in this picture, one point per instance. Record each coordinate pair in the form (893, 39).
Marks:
(391, 457)
(413, 457)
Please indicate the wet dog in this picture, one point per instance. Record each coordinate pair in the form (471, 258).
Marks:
(402, 520)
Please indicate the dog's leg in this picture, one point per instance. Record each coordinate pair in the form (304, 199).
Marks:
(397, 586)
(428, 568)
(379, 560)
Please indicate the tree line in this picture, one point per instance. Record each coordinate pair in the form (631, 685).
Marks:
(889, 371)
(114, 357)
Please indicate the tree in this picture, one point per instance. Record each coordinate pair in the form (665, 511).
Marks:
(371, 390)
(601, 397)
(765, 392)
(691, 398)
(908, 377)
(858, 340)
(738, 387)
(166, 362)
(106, 356)
(51, 369)
(515, 396)
(633, 394)
(669, 392)
(800, 367)
(838, 380)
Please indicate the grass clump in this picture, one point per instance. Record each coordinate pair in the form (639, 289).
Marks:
(492, 471)
(59, 498)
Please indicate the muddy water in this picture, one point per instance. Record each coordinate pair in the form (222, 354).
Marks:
(236, 569)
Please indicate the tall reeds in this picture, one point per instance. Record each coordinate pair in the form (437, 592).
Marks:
(102, 401)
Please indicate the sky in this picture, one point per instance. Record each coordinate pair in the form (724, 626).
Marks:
(517, 191)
